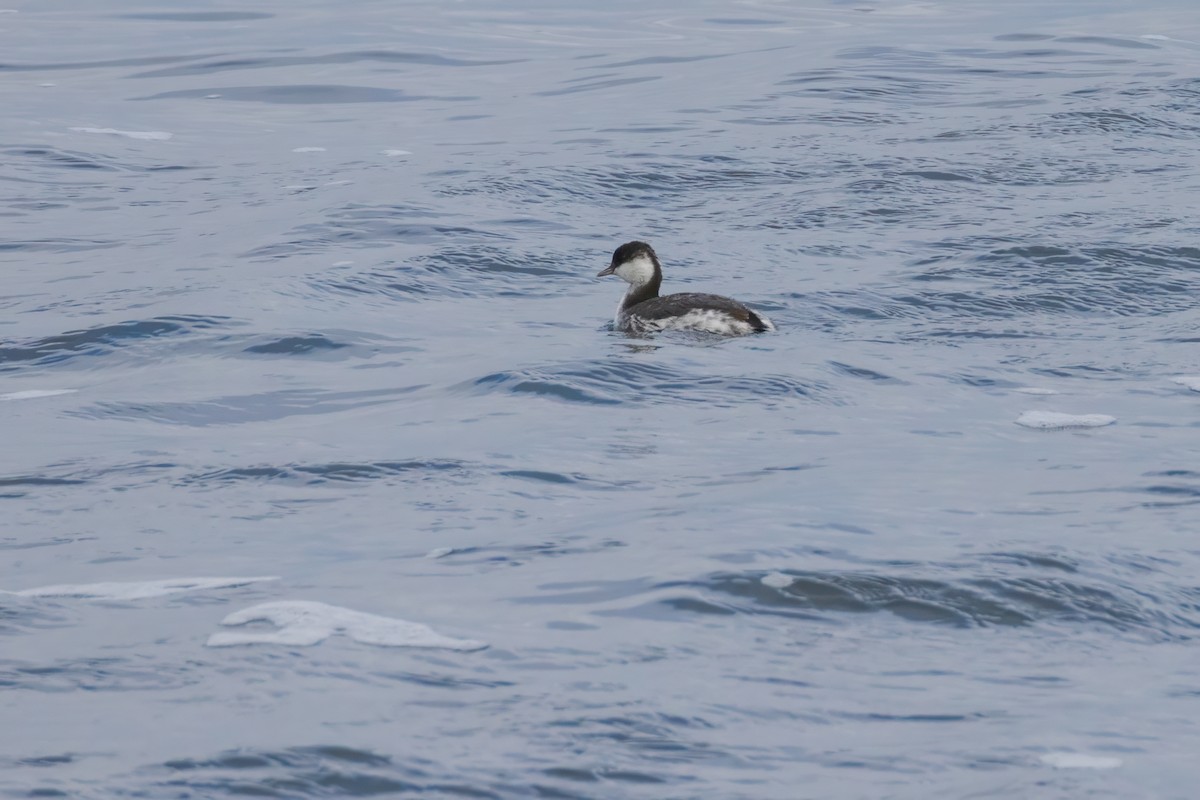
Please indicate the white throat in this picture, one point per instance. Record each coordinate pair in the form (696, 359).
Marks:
(637, 271)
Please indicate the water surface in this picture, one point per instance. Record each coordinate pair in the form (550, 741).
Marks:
(306, 291)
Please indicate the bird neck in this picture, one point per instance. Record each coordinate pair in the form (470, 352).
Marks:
(638, 293)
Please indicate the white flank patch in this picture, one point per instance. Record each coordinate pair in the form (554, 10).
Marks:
(303, 623)
(707, 321)
(138, 590)
(1053, 420)
(397, 152)
(1035, 391)
(33, 394)
(308, 149)
(156, 136)
(1079, 761)
(1189, 381)
(777, 580)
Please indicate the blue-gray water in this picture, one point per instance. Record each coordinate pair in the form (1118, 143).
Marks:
(321, 278)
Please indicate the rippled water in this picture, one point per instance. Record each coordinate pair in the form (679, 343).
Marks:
(299, 305)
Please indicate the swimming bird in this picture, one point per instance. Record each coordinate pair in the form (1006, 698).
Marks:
(643, 311)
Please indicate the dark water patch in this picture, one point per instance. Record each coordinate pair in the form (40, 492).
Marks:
(864, 373)
(648, 60)
(244, 409)
(57, 158)
(656, 737)
(56, 246)
(97, 675)
(574, 479)
(39, 156)
(657, 182)
(299, 94)
(614, 381)
(317, 771)
(444, 681)
(854, 87)
(517, 555)
(85, 65)
(197, 16)
(363, 226)
(278, 62)
(595, 85)
(102, 339)
(582, 775)
(19, 615)
(35, 480)
(1041, 280)
(47, 761)
(1023, 37)
(1111, 41)
(465, 270)
(333, 473)
(63, 159)
(295, 345)
(1116, 123)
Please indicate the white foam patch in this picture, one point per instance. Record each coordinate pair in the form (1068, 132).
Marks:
(1053, 420)
(1189, 381)
(777, 580)
(303, 623)
(1079, 761)
(138, 590)
(396, 152)
(33, 394)
(156, 136)
(1034, 390)
(441, 552)
(308, 149)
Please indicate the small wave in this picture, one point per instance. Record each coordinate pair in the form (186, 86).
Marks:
(992, 599)
(54, 158)
(614, 381)
(243, 409)
(295, 345)
(301, 772)
(335, 472)
(294, 94)
(461, 269)
(98, 674)
(275, 62)
(138, 590)
(102, 339)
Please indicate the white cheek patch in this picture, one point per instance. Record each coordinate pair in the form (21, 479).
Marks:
(637, 270)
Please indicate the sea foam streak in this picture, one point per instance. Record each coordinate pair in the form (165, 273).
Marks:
(33, 394)
(1053, 420)
(1189, 381)
(153, 136)
(138, 590)
(1079, 761)
(303, 623)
